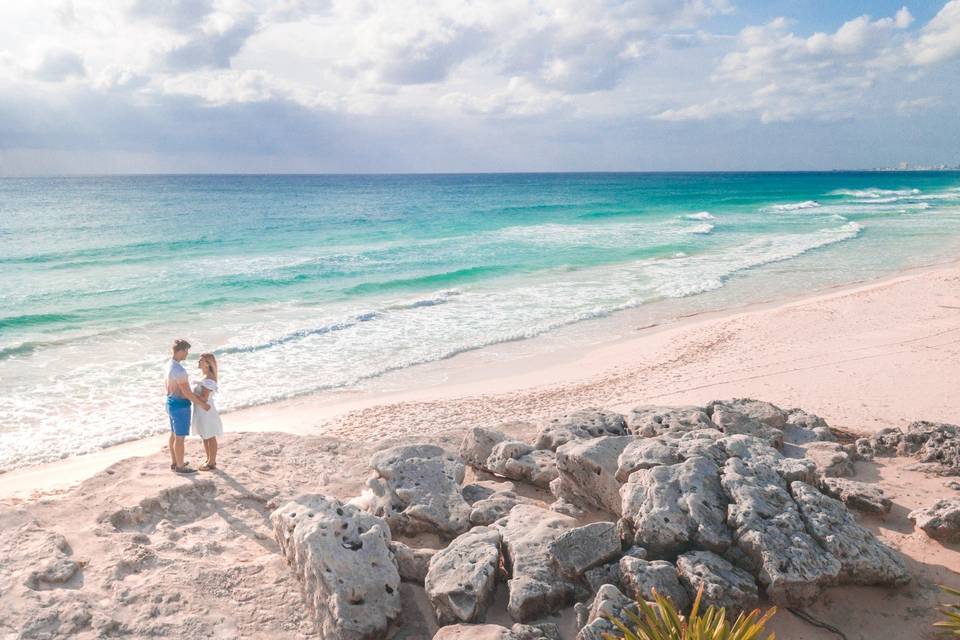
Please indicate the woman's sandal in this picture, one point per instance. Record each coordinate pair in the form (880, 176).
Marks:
(207, 467)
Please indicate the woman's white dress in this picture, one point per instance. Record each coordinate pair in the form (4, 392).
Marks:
(206, 424)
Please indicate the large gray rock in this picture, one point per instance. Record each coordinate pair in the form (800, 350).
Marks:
(342, 556)
(474, 632)
(933, 443)
(519, 461)
(756, 452)
(605, 574)
(582, 548)
(653, 420)
(588, 472)
(884, 443)
(640, 578)
(644, 453)
(733, 421)
(803, 427)
(702, 442)
(412, 564)
(831, 459)
(462, 577)
(608, 603)
(580, 425)
(537, 585)
(494, 507)
(862, 496)
(764, 412)
(772, 537)
(538, 631)
(724, 585)
(478, 444)
(941, 520)
(863, 559)
(416, 489)
(672, 508)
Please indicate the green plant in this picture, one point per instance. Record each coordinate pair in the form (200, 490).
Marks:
(660, 620)
(952, 611)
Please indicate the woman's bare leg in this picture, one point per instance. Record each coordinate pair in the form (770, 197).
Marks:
(206, 448)
(212, 452)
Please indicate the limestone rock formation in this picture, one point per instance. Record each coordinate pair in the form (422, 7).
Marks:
(586, 547)
(478, 444)
(494, 507)
(474, 632)
(863, 559)
(462, 577)
(863, 496)
(770, 533)
(412, 564)
(732, 420)
(652, 420)
(831, 459)
(588, 472)
(580, 425)
(941, 520)
(608, 603)
(537, 586)
(343, 559)
(641, 577)
(724, 585)
(520, 461)
(416, 488)
(672, 508)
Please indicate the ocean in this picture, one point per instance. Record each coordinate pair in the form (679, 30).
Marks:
(302, 284)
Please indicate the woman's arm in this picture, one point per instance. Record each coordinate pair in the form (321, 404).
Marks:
(187, 393)
(204, 392)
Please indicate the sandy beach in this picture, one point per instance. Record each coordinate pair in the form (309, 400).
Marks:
(863, 357)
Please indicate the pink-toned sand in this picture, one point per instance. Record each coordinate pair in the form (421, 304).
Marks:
(867, 357)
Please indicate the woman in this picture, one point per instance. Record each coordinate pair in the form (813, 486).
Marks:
(206, 424)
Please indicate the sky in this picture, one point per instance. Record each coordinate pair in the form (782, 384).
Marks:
(356, 86)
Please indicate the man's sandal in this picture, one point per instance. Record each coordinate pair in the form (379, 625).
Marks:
(208, 467)
(184, 469)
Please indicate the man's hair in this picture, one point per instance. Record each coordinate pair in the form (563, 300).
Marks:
(180, 344)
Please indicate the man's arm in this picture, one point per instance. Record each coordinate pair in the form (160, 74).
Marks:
(187, 393)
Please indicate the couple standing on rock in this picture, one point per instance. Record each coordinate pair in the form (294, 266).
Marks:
(206, 420)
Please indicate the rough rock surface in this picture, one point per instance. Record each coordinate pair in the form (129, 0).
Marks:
(519, 461)
(769, 531)
(758, 410)
(416, 489)
(652, 420)
(474, 632)
(539, 631)
(588, 472)
(756, 452)
(644, 453)
(831, 459)
(580, 425)
(343, 558)
(537, 586)
(641, 577)
(412, 564)
(490, 509)
(863, 559)
(803, 427)
(933, 443)
(582, 548)
(462, 577)
(478, 444)
(672, 508)
(724, 585)
(733, 421)
(941, 520)
(608, 603)
(863, 496)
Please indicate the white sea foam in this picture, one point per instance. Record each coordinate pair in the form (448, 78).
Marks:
(701, 229)
(702, 215)
(795, 206)
(874, 193)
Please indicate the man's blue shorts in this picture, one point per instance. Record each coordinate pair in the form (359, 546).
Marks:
(179, 411)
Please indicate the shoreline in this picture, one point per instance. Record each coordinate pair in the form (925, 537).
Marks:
(465, 376)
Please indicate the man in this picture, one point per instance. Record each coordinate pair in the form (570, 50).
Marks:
(179, 397)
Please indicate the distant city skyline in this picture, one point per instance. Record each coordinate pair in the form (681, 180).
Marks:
(335, 86)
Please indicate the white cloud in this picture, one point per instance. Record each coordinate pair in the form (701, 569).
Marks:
(940, 39)
(918, 105)
(56, 65)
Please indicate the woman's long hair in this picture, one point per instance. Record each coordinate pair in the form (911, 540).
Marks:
(211, 361)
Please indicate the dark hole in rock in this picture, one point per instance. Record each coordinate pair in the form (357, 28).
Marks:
(339, 511)
(353, 545)
(388, 588)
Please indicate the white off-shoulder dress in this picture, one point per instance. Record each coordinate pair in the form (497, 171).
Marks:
(206, 424)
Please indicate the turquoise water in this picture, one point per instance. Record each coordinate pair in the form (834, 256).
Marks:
(306, 283)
